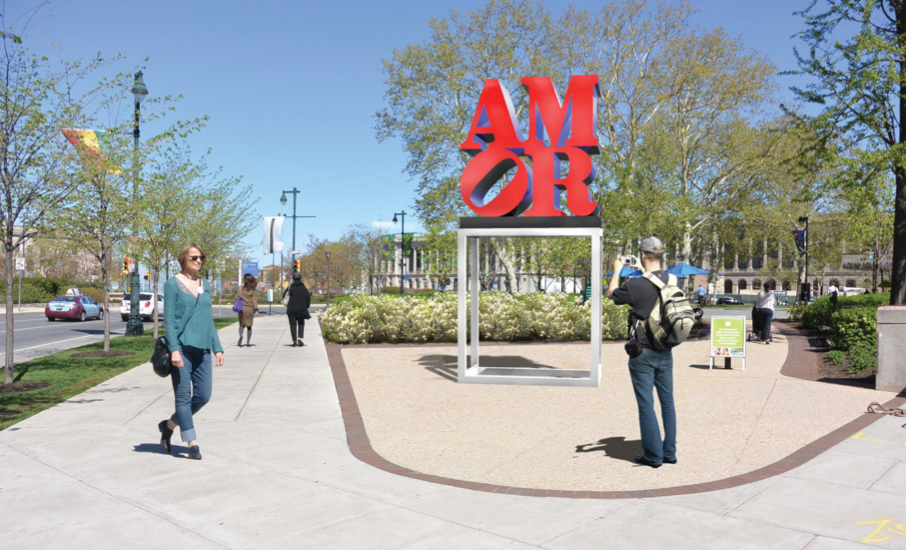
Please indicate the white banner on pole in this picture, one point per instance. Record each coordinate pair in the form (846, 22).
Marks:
(273, 234)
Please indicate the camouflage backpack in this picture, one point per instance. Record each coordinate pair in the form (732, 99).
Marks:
(672, 316)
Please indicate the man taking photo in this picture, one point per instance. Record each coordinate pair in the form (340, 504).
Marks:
(652, 368)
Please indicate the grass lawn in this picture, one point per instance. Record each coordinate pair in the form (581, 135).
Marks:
(69, 376)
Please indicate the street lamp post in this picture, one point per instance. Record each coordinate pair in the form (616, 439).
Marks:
(135, 326)
(402, 215)
(328, 279)
(808, 287)
(294, 216)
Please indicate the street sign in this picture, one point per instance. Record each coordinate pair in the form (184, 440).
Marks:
(249, 267)
(20, 264)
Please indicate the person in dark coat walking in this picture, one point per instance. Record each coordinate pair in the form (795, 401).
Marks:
(297, 308)
(249, 295)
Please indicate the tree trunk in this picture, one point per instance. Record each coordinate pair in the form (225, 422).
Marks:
(105, 275)
(10, 322)
(507, 258)
(155, 275)
(687, 243)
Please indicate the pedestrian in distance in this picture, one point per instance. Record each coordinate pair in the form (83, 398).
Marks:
(765, 308)
(249, 296)
(833, 291)
(701, 293)
(192, 339)
(651, 362)
(297, 308)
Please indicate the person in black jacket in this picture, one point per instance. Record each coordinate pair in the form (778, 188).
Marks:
(297, 308)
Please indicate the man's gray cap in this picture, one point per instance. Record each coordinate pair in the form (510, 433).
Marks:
(652, 245)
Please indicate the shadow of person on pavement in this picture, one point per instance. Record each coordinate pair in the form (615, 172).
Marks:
(618, 448)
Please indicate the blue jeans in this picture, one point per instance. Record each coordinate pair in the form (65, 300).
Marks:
(654, 369)
(767, 315)
(192, 384)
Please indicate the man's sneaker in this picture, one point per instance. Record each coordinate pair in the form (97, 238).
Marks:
(670, 461)
(195, 452)
(639, 459)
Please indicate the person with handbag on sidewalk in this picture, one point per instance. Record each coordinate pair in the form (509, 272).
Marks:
(191, 338)
(248, 295)
(297, 300)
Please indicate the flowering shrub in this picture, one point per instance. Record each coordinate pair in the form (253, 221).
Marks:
(502, 317)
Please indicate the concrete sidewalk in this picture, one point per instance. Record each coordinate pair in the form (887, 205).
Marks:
(277, 473)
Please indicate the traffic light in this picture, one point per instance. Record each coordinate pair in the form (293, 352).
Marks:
(297, 266)
(147, 276)
(126, 264)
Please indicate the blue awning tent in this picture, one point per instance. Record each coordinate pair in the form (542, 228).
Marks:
(683, 270)
(627, 272)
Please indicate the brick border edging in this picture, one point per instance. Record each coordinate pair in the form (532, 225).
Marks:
(361, 448)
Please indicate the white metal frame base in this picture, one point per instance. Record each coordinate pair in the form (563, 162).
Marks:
(474, 373)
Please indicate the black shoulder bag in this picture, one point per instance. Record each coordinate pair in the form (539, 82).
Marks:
(160, 359)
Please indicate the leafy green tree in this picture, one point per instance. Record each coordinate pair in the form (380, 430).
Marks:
(169, 189)
(38, 99)
(219, 214)
(859, 81)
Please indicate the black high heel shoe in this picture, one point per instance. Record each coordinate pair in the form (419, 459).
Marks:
(165, 434)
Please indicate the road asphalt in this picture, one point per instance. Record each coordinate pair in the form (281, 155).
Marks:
(34, 336)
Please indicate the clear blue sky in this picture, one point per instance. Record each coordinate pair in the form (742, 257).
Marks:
(291, 86)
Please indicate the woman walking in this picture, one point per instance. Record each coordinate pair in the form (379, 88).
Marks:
(191, 338)
(297, 308)
(765, 307)
(249, 295)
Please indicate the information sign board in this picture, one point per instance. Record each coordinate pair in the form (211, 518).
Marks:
(20, 264)
(728, 338)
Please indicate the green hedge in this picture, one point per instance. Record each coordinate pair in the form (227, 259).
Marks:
(818, 313)
(503, 317)
(38, 290)
(850, 327)
(853, 326)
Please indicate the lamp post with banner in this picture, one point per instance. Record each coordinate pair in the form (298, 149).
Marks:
(135, 326)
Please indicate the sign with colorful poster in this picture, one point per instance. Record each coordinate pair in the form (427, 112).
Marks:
(407, 243)
(387, 248)
(728, 337)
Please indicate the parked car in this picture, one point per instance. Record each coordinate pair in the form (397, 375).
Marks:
(73, 307)
(729, 301)
(144, 307)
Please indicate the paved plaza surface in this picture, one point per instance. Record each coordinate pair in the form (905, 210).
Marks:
(278, 473)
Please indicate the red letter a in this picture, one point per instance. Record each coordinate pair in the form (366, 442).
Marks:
(494, 121)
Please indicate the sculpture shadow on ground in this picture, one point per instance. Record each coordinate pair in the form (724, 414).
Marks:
(617, 447)
(445, 365)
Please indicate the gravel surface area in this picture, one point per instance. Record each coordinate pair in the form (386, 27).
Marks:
(729, 421)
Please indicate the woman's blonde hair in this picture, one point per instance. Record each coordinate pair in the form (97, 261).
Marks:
(183, 257)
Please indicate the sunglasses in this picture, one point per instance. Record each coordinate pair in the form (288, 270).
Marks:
(196, 258)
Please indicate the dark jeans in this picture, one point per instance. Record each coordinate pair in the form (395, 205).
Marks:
(192, 384)
(654, 369)
(294, 319)
(767, 315)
